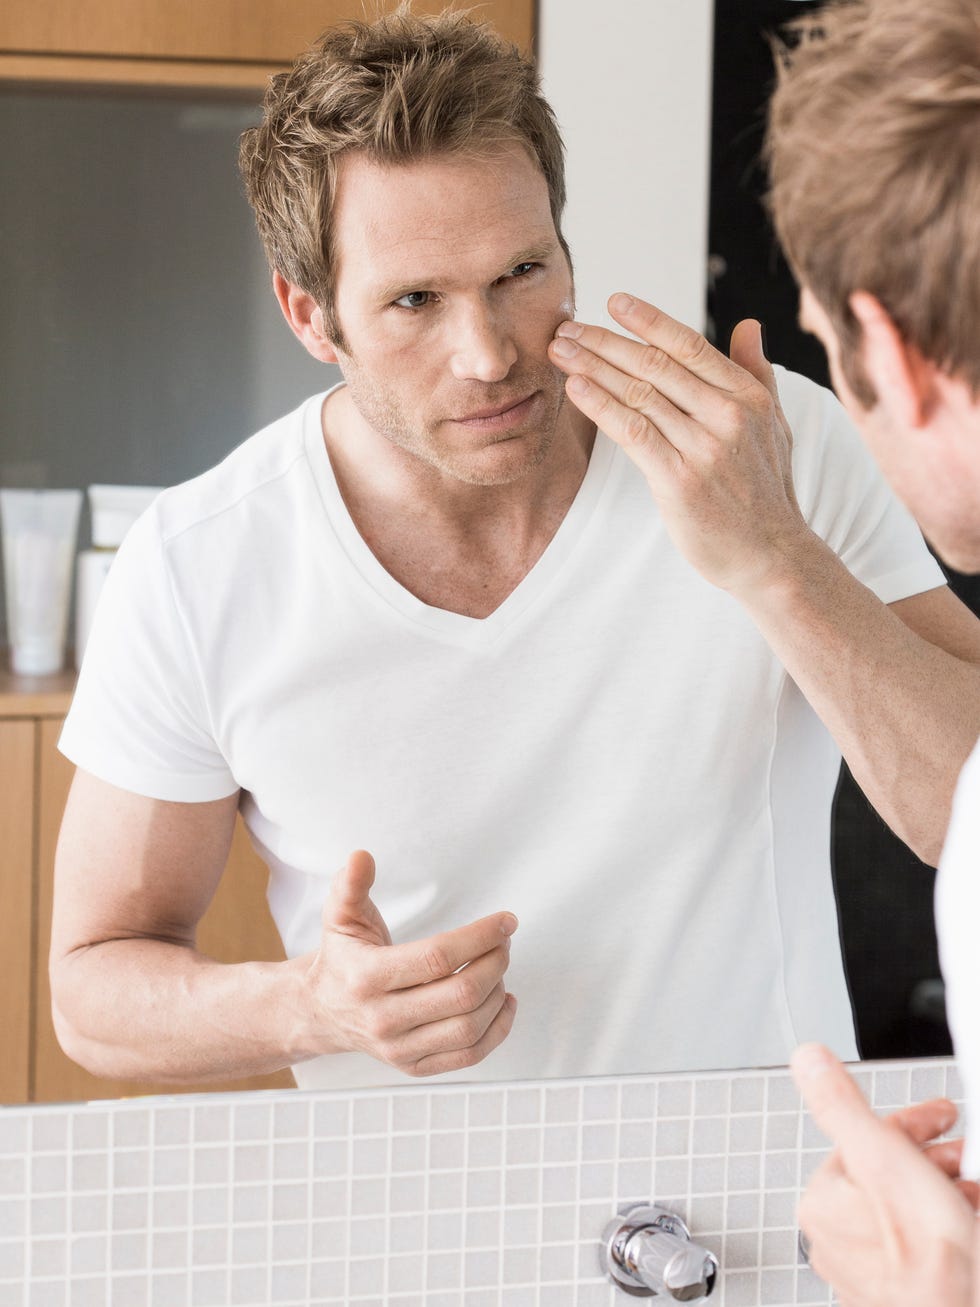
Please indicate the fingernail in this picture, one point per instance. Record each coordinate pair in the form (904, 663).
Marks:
(569, 329)
(621, 304)
(508, 923)
(510, 1003)
(565, 349)
(810, 1061)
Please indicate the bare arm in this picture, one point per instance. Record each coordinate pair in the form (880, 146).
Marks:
(899, 687)
(133, 998)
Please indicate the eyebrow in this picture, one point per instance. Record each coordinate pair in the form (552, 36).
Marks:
(395, 290)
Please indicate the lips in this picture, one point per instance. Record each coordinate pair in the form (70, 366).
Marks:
(497, 411)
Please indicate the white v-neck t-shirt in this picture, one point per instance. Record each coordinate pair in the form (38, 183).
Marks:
(614, 754)
(957, 913)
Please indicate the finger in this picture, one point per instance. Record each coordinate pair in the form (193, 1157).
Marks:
(459, 1059)
(879, 1158)
(946, 1157)
(685, 345)
(454, 996)
(746, 351)
(642, 440)
(640, 376)
(422, 961)
(970, 1191)
(838, 1107)
(924, 1121)
(349, 909)
(457, 1032)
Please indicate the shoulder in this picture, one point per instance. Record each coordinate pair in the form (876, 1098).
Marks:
(809, 407)
(830, 460)
(258, 468)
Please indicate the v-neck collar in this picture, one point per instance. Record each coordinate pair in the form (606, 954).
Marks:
(441, 622)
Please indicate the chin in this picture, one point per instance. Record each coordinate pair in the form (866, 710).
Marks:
(957, 548)
(963, 556)
(499, 464)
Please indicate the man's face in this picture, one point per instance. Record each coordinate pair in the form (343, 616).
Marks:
(930, 467)
(450, 284)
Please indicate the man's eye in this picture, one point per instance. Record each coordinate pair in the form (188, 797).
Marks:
(415, 299)
(521, 269)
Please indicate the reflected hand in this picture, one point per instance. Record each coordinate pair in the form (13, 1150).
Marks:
(707, 432)
(435, 1005)
(885, 1219)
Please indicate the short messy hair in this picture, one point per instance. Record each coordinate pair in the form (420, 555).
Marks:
(873, 148)
(401, 88)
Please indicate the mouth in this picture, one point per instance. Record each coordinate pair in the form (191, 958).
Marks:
(500, 415)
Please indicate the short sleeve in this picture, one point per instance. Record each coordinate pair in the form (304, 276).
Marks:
(846, 499)
(139, 716)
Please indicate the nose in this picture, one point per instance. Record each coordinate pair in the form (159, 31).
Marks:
(483, 347)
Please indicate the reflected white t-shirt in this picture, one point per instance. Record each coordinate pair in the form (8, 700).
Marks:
(957, 914)
(614, 754)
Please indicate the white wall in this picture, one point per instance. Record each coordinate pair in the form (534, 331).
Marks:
(630, 81)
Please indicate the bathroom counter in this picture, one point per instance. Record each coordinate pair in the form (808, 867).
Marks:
(35, 696)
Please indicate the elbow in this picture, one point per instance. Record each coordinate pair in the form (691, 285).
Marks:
(81, 1046)
(71, 1041)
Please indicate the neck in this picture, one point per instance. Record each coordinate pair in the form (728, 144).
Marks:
(376, 475)
(452, 544)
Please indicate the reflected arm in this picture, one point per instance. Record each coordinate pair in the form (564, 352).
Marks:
(132, 998)
(898, 686)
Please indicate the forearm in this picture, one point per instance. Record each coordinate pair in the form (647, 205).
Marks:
(139, 1009)
(904, 712)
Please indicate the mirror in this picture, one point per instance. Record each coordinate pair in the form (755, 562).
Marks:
(138, 302)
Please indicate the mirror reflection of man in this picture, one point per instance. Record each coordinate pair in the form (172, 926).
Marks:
(874, 146)
(533, 669)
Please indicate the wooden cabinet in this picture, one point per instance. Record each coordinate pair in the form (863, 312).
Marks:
(224, 43)
(16, 889)
(34, 782)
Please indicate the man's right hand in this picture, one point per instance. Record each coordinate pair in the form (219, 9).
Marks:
(434, 1005)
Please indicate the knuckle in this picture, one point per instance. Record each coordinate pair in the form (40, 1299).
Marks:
(732, 416)
(379, 1027)
(359, 985)
(436, 961)
(638, 393)
(692, 349)
(469, 994)
(636, 429)
(651, 360)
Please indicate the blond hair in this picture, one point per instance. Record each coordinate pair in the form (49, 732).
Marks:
(402, 88)
(873, 149)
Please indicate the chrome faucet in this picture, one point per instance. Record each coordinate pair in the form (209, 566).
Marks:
(648, 1251)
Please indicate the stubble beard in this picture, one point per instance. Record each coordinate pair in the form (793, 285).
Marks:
(494, 462)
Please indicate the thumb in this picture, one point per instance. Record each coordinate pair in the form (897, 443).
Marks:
(349, 909)
(747, 350)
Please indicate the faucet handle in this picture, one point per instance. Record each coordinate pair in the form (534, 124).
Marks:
(649, 1251)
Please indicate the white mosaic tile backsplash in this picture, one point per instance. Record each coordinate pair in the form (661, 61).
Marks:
(489, 1196)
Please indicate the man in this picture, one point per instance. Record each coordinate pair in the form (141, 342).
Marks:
(874, 147)
(435, 615)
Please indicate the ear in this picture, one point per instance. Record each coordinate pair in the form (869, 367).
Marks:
(903, 380)
(305, 318)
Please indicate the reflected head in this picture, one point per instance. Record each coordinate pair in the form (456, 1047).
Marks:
(404, 88)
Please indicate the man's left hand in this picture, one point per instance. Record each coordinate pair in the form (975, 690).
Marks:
(707, 432)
